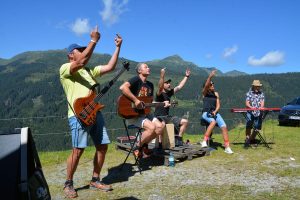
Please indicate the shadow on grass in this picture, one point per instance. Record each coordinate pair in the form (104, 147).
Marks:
(128, 198)
(216, 145)
(257, 142)
(85, 187)
(122, 172)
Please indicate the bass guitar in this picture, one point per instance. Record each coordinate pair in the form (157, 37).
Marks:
(86, 108)
(127, 109)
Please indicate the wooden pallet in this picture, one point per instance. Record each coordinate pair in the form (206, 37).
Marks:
(186, 152)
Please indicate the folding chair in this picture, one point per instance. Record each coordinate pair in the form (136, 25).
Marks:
(132, 143)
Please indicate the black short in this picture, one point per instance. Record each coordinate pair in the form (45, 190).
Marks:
(171, 119)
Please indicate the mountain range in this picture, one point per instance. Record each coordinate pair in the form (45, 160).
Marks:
(31, 94)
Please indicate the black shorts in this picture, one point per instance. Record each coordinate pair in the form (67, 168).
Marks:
(171, 119)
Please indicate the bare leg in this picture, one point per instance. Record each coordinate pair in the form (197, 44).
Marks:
(149, 132)
(183, 126)
(225, 136)
(209, 130)
(159, 127)
(99, 159)
(72, 162)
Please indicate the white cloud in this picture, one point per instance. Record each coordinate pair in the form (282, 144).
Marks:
(112, 10)
(81, 26)
(208, 56)
(228, 52)
(272, 58)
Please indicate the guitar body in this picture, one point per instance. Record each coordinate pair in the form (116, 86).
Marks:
(86, 109)
(127, 110)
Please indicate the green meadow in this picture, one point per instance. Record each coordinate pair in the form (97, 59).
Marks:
(253, 173)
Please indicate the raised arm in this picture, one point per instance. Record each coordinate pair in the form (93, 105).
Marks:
(85, 56)
(113, 60)
(183, 81)
(208, 81)
(161, 81)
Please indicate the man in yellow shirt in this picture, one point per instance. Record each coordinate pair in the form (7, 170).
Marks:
(77, 81)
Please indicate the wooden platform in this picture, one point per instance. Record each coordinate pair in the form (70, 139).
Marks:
(186, 152)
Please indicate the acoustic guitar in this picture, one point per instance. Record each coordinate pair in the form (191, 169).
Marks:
(127, 109)
(86, 108)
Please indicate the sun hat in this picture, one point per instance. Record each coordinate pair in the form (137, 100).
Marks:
(256, 83)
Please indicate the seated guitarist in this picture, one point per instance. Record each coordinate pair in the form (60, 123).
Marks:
(135, 87)
(77, 82)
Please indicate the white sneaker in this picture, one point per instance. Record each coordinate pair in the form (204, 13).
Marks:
(228, 150)
(203, 144)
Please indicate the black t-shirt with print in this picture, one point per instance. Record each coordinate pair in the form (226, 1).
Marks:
(140, 88)
(164, 96)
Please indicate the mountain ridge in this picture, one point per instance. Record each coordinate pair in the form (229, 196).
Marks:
(31, 93)
(60, 56)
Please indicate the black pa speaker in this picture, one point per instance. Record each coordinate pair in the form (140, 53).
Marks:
(21, 175)
(10, 165)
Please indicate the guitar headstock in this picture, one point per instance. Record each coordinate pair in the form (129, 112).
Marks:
(174, 103)
(126, 65)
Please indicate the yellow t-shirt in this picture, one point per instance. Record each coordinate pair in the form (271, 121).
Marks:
(77, 85)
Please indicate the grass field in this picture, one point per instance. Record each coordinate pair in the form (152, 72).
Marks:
(259, 173)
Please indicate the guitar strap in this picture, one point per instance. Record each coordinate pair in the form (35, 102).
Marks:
(95, 87)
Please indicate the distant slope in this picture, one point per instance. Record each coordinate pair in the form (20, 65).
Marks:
(178, 65)
(31, 93)
(235, 73)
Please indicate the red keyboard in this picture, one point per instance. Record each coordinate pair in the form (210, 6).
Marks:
(241, 110)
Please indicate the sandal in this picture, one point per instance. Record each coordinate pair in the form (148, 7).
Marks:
(100, 186)
(69, 190)
(146, 150)
(137, 152)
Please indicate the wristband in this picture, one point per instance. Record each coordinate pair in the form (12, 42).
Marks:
(94, 41)
(187, 76)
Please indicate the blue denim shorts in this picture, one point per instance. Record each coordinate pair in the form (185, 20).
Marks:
(220, 121)
(253, 122)
(97, 132)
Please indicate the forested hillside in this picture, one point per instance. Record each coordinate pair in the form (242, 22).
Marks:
(31, 94)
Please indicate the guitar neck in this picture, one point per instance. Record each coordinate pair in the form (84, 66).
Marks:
(106, 88)
(154, 104)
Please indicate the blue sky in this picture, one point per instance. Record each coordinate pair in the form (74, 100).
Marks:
(253, 36)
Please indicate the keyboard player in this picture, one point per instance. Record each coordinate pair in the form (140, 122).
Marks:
(255, 99)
